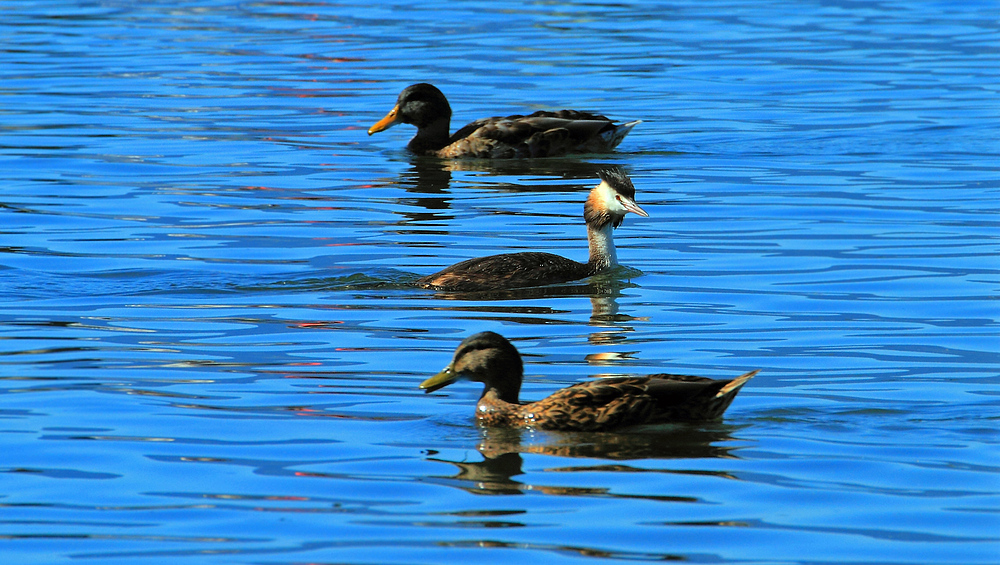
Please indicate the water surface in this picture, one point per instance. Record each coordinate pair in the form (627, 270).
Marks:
(211, 352)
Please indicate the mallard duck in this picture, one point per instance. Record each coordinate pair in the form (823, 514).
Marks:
(603, 404)
(542, 134)
(604, 211)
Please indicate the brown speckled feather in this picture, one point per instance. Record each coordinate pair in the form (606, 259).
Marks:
(618, 402)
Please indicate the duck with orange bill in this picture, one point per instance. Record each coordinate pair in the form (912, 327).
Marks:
(541, 134)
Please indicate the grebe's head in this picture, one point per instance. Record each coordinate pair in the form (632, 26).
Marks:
(611, 200)
(485, 357)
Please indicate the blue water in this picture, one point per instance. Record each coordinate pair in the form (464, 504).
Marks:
(209, 351)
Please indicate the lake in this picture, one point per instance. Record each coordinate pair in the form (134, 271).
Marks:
(211, 344)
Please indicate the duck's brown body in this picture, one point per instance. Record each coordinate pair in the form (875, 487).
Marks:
(616, 402)
(598, 405)
(541, 134)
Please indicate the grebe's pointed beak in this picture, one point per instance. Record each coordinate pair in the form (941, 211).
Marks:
(390, 119)
(631, 206)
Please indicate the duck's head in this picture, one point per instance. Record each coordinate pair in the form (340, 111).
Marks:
(611, 200)
(485, 357)
(419, 104)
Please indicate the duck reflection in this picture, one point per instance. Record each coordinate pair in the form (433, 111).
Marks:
(502, 449)
(425, 176)
(428, 175)
(565, 168)
(671, 441)
(492, 475)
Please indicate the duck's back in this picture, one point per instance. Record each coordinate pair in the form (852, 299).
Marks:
(628, 401)
(541, 134)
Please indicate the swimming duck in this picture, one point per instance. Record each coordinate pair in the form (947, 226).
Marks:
(604, 404)
(542, 134)
(604, 211)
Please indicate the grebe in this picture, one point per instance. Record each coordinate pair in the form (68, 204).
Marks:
(604, 211)
(542, 134)
(603, 404)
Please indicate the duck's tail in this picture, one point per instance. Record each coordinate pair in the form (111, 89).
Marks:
(722, 399)
(734, 386)
(613, 136)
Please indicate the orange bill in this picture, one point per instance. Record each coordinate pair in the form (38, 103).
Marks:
(390, 119)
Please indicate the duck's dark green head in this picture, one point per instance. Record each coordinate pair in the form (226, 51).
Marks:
(485, 357)
(419, 104)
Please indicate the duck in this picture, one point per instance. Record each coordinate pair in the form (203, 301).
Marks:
(591, 406)
(605, 209)
(541, 134)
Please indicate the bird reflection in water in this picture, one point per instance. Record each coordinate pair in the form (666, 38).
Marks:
(502, 450)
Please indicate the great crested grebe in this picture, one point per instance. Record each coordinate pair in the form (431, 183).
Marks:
(542, 134)
(603, 404)
(604, 211)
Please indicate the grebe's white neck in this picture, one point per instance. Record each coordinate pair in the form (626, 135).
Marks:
(602, 247)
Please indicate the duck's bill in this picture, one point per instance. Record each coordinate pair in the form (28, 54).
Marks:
(631, 206)
(390, 119)
(440, 380)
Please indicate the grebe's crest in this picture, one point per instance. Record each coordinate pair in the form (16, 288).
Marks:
(618, 180)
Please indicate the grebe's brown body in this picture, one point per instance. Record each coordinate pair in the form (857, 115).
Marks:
(542, 134)
(603, 404)
(604, 211)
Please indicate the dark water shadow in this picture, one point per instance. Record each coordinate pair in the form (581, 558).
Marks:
(511, 307)
(602, 290)
(435, 177)
(665, 441)
(502, 451)
(583, 167)
(424, 177)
